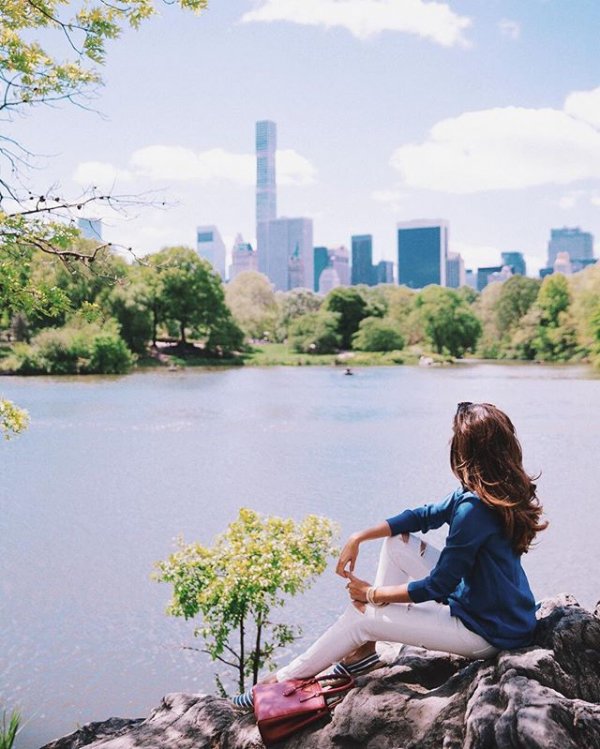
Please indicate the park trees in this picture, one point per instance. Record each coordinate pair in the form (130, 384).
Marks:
(377, 334)
(235, 585)
(65, 68)
(190, 295)
(292, 305)
(316, 333)
(449, 323)
(251, 299)
(556, 336)
(351, 306)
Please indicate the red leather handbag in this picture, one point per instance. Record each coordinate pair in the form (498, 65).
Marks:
(285, 707)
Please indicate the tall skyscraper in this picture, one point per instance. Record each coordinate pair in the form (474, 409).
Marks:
(321, 261)
(384, 271)
(422, 252)
(578, 244)
(516, 262)
(290, 237)
(266, 189)
(91, 228)
(362, 260)
(243, 258)
(211, 247)
(455, 271)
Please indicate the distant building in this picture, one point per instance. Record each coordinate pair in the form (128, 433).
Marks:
(320, 261)
(579, 245)
(562, 264)
(546, 272)
(90, 228)
(455, 271)
(362, 260)
(471, 279)
(243, 258)
(210, 246)
(581, 264)
(501, 275)
(483, 275)
(266, 189)
(340, 261)
(516, 261)
(289, 237)
(328, 280)
(384, 272)
(422, 252)
(296, 269)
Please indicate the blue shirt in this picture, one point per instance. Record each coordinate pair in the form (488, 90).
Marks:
(478, 573)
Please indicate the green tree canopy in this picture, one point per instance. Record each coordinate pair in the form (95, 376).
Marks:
(292, 305)
(449, 322)
(351, 306)
(375, 334)
(316, 333)
(191, 293)
(251, 299)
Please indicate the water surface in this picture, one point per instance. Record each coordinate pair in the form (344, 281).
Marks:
(113, 469)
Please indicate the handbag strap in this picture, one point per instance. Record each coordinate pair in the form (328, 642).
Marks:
(348, 684)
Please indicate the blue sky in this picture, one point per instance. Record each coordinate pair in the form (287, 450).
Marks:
(485, 113)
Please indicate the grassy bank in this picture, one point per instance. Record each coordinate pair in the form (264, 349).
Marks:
(262, 355)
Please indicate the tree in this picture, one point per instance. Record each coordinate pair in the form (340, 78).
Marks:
(251, 299)
(485, 309)
(66, 70)
(234, 585)
(351, 307)
(190, 292)
(449, 323)
(556, 338)
(375, 334)
(292, 305)
(517, 294)
(133, 304)
(316, 333)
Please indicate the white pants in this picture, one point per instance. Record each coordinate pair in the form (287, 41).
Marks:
(428, 625)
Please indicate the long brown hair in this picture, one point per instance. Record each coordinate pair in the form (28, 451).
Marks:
(487, 459)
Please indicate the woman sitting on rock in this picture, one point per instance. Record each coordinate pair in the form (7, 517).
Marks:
(472, 598)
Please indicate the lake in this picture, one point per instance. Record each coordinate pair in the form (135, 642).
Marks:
(112, 470)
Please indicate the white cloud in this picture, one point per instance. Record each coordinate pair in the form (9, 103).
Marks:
(584, 105)
(505, 149)
(100, 174)
(366, 18)
(511, 29)
(395, 199)
(178, 164)
(476, 255)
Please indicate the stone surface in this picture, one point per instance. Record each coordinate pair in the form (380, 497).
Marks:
(546, 696)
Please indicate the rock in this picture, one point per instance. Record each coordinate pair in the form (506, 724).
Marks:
(546, 696)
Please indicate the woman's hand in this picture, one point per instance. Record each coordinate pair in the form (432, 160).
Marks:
(357, 588)
(348, 557)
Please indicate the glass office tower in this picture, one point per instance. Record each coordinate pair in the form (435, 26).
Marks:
(422, 253)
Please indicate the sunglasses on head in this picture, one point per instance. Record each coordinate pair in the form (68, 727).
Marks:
(463, 406)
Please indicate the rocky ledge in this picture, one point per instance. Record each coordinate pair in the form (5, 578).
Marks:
(546, 696)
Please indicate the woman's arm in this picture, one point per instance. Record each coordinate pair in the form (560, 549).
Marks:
(384, 594)
(350, 551)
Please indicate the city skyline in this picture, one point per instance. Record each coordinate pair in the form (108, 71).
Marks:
(492, 130)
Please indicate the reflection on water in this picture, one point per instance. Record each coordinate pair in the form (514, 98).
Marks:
(113, 469)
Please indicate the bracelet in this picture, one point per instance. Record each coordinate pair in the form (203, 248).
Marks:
(371, 597)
